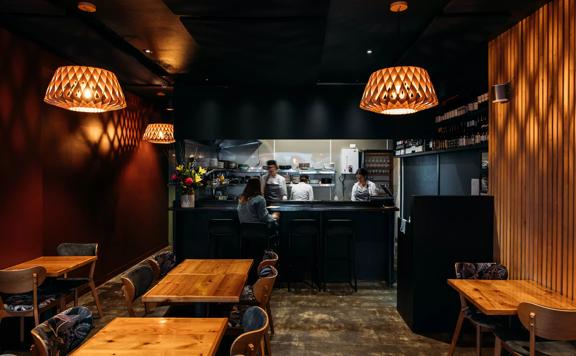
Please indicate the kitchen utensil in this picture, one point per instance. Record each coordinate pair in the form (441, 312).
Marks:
(304, 166)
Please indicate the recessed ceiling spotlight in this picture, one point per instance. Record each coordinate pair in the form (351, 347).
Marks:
(169, 108)
(206, 79)
(148, 51)
(161, 93)
(398, 6)
(86, 6)
(369, 51)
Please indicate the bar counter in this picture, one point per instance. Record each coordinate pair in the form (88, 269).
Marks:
(373, 224)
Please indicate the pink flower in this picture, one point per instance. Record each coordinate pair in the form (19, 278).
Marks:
(174, 177)
(188, 181)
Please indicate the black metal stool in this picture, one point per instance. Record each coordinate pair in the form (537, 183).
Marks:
(223, 232)
(338, 236)
(255, 238)
(304, 249)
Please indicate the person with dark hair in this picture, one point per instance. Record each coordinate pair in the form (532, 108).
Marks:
(273, 184)
(302, 191)
(252, 206)
(363, 189)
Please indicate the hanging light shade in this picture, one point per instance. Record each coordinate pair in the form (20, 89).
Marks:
(399, 91)
(85, 89)
(159, 133)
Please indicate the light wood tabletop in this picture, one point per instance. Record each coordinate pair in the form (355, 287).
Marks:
(201, 281)
(56, 266)
(213, 266)
(502, 297)
(156, 336)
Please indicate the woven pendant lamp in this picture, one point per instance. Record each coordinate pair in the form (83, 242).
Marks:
(159, 133)
(85, 89)
(399, 91)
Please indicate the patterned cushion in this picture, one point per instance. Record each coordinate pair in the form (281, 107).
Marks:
(142, 277)
(166, 260)
(74, 249)
(24, 302)
(270, 255)
(517, 341)
(482, 270)
(65, 331)
(247, 297)
(265, 272)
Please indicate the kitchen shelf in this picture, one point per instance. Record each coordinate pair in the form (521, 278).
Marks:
(463, 148)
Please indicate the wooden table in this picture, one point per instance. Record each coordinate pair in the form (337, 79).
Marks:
(56, 266)
(156, 336)
(502, 297)
(205, 281)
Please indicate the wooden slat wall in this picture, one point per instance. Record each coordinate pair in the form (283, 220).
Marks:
(533, 147)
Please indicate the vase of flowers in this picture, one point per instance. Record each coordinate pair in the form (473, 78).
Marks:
(187, 178)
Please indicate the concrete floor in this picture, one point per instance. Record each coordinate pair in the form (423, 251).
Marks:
(336, 322)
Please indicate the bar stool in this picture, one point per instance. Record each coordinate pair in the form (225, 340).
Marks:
(255, 238)
(340, 232)
(304, 249)
(223, 232)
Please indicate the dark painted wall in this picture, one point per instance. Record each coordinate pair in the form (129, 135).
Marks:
(319, 112)
(74, 177)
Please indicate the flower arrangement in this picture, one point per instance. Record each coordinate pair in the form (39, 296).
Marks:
(188, 176)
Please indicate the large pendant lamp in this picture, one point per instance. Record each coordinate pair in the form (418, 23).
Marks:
(85, 89)
(399, 91)
(159, 133)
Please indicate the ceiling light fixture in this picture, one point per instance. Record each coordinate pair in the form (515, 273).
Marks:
(85, 89)
(369, 51)
(159, 133)
(399, 91)
(148, 51)
(398, 6)
(86, 6)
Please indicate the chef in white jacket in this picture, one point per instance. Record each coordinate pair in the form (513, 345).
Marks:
(273, 184)
(302, 191)
(363, 189)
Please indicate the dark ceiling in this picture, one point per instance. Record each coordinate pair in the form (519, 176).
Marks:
(270, 42)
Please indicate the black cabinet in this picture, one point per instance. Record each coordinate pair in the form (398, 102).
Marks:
(442, 230)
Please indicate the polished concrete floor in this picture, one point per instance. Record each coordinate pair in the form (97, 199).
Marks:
(336, 322)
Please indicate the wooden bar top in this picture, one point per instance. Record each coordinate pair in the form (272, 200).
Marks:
(156, 336)
(205, 281)
(56, 266)
(502, 297)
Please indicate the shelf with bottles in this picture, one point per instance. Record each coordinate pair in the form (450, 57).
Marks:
(471, 109)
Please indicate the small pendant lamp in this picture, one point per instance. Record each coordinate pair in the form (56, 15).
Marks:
(85, 89)
(399, 91)
(159, 133)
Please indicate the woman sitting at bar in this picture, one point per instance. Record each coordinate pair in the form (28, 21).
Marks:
(363, 189)
(252, 206)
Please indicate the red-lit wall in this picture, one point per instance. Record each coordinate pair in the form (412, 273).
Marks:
(77, 177)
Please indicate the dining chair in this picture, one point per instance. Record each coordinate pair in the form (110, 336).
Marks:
(20, 295)
(482, 323)
(253, 339)
(136, 282)
(78, 283)
(162, 263)
(551, 332)
(260, 292)
(270, 258)
(62, 333)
